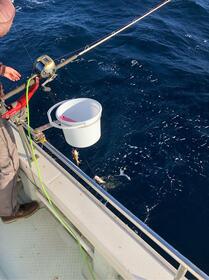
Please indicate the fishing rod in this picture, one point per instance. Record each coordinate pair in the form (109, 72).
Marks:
(45, 67)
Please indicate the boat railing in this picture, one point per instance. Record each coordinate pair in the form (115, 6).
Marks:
(184, 266)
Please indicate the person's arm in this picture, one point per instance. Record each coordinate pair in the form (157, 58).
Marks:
(9, 73)
(2, 69)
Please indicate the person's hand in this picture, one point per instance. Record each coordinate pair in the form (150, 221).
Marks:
(11, 74)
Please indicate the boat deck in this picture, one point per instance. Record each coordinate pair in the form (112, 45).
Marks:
(33, 249)
(40, 248)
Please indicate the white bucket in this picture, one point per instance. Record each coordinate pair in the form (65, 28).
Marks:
(80, 121)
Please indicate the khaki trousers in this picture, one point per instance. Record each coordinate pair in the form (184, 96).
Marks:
(9, 165)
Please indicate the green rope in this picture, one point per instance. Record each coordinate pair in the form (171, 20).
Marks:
(31, 144)
(44, 191)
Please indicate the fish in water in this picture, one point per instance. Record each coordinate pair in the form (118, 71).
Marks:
(75, 155)
(99, 180)
(122, 173)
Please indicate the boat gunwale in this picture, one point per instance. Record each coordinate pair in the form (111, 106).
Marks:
(183, 262)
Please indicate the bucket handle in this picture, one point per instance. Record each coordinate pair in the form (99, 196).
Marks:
(55, 124)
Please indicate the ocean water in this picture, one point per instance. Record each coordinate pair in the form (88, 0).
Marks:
(152, 82)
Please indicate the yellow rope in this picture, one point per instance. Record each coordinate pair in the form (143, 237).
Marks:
(44, 191)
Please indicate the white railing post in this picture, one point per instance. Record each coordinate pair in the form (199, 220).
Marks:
(181, 272)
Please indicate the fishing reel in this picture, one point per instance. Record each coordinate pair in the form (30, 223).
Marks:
(45, 67)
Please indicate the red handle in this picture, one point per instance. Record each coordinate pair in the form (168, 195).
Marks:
(21, 102)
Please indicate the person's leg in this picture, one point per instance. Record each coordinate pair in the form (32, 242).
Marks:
(10, 210)
(9, 165)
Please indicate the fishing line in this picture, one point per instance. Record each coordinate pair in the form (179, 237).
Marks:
(24, 46)
(68, 54)
(89, 167)
(87, 48)
(62, 64)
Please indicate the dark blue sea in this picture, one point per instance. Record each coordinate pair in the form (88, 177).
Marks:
(152, 82)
